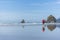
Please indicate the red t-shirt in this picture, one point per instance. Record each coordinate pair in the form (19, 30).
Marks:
(43, 21)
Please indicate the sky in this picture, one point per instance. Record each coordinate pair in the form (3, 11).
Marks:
(30, 10)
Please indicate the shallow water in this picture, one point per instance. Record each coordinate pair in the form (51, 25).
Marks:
(28, 33)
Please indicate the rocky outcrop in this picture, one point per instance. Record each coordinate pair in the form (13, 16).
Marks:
(51, 19)
(23, 21)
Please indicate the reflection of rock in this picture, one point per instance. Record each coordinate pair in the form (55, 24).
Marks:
(51, 27)
(51, 19)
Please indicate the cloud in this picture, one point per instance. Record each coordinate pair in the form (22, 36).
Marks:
(39, 4)
(58, 2)
(47, 3)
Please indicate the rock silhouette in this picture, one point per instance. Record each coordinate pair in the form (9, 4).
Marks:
(23, 21)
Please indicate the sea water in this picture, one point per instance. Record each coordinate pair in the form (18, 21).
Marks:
(28, 33)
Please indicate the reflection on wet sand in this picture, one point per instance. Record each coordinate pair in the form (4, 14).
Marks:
(23, 27)
(51, 27)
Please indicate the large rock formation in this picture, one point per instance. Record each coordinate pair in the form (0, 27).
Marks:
(51, 19)
(23, 21)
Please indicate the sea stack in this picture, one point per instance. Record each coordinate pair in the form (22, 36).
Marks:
(23, 21)
(51, 19)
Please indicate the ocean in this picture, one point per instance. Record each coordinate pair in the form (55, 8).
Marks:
(28, 33)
